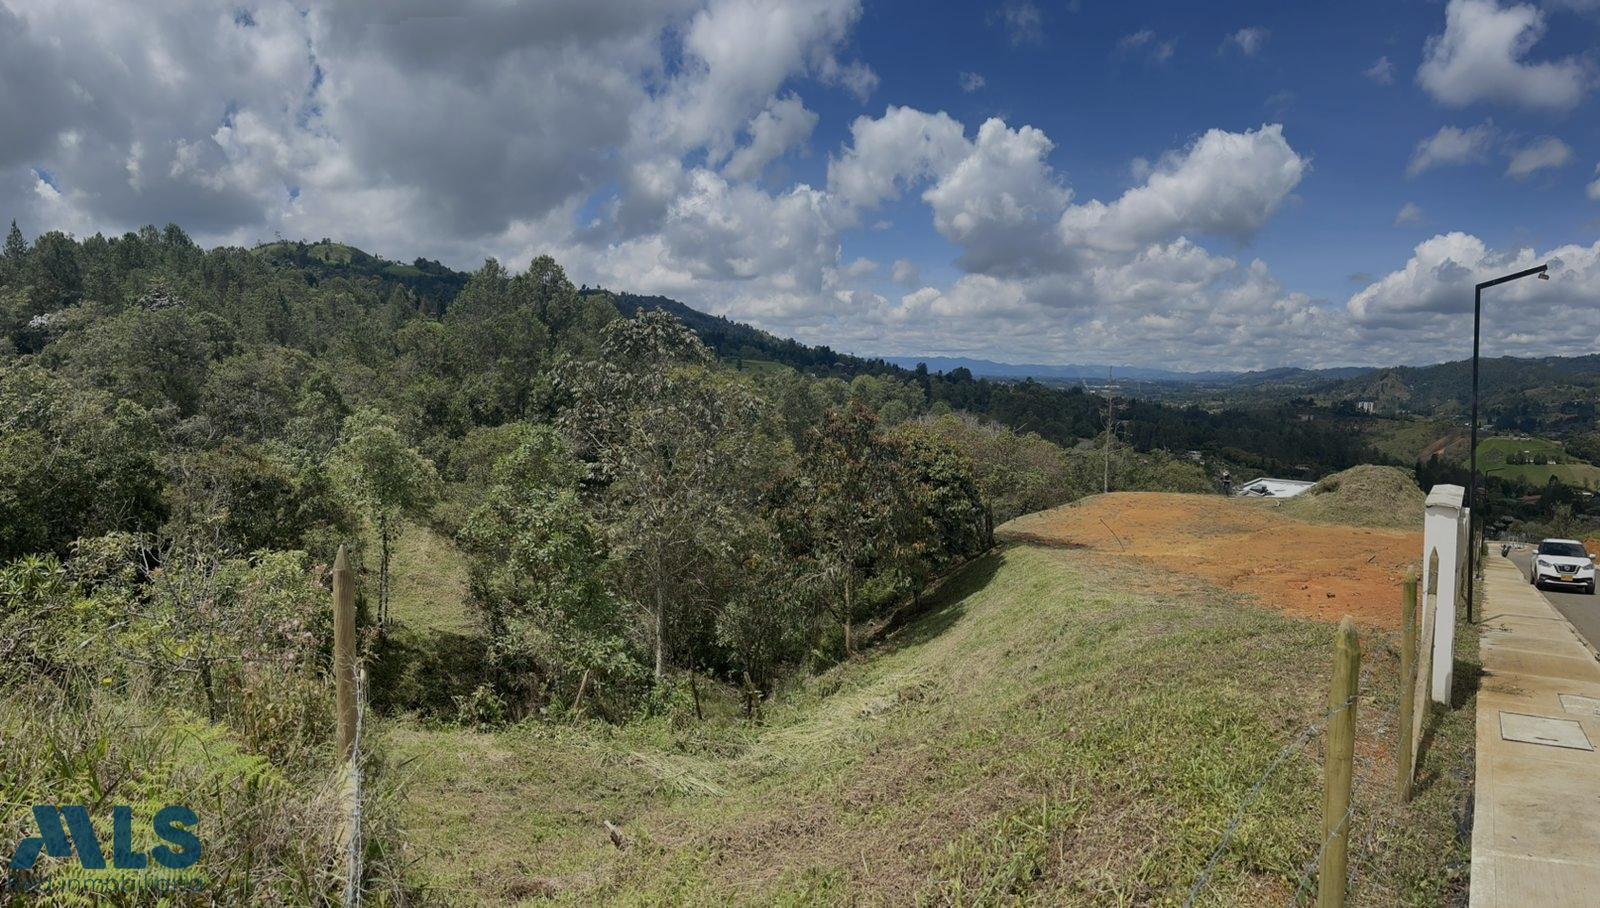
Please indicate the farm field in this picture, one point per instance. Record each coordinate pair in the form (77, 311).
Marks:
(1493, 454)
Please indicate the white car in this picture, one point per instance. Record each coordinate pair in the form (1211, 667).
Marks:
(1562, 562)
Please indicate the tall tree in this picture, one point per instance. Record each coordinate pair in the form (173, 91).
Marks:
(388, 478)
(673, 443)
(850, 505)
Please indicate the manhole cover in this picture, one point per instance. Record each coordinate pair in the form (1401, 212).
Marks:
(1542, 730)
(1577, 703)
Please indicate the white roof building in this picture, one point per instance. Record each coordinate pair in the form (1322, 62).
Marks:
(1267, 487)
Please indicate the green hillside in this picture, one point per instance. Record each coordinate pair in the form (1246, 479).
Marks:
(1520, 459)
(1042, 735)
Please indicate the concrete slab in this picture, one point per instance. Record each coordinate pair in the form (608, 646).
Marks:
(1543, 730)
(1536, 817)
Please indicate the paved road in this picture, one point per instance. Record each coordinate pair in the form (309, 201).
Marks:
(1583, 611)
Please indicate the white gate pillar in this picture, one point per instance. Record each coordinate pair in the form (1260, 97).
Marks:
(1444, 531)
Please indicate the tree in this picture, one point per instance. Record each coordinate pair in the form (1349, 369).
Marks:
(388, 478)
(672, 443)
(849, 505)
(537, 575)
(13, 255)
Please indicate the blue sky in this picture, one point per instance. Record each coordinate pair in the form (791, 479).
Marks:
(1177, 184)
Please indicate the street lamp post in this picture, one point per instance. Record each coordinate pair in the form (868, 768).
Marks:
(1472, 477)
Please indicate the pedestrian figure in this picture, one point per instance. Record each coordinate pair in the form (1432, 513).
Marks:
(1227, 483)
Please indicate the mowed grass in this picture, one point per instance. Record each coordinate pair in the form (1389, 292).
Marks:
(427, 581)
(1572, 471)
(1053, 731)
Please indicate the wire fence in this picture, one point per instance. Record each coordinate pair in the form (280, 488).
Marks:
(1307, 872)
(352, 885)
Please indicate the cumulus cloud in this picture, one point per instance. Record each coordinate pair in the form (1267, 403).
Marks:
(903, 146)
(1432, 292)
(1594, 188)
(1543, 153)
(1480, 57)
(1381, 71)
(1247, 41)
(1225, 184)
(1452, 145)
(1410, 213)
(999, 202)
(784, 124)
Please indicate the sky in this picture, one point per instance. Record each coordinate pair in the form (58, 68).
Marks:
(1183, 185)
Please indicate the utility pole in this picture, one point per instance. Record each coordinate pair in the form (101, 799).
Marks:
(1111, 421)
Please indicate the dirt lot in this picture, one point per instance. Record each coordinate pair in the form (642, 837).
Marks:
(1313, 570)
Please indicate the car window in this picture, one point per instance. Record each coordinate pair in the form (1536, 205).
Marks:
(1566, 549)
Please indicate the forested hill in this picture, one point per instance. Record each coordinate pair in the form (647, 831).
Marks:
(1270, 440)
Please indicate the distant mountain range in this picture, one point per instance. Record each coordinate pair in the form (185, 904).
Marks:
(1072, 372)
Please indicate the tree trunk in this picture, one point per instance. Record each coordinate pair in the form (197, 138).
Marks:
(383, 573)
(661, 638)
(849, 615)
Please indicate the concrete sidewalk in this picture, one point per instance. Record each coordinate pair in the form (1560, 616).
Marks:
(1536, 818)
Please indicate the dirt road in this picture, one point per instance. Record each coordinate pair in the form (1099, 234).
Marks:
(1313, 570)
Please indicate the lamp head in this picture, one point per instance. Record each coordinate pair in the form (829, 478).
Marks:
(1544, 275)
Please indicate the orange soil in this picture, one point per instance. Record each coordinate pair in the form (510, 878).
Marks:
(1312, 570)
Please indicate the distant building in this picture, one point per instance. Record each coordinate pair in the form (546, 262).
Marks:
(1366, 406)
(1267, 487)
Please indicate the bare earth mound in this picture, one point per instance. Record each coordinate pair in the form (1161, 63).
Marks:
(1367, 495)
(1313, 570)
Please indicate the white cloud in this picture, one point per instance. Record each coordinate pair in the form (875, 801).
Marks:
(1410, 213)
(1432, 294)
(1225, 184)
(1381, 71)
(1452, 145)
(1542, 153)
(1147, 42)
(1594, 188)
(1247, 41)
(1479, 57)
(784, 124)
(971, 82)
(906, 273)
(886, 154)
(1000, 201)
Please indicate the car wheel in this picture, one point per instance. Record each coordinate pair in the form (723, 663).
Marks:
(1589, 590)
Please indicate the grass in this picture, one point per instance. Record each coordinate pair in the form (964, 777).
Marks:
(1050, 732)
(427, 582)
(1364, 495)
(1564, 468)
(1404, 439)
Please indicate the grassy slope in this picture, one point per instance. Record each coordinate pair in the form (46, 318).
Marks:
(1047, 733)
(428, 582)
(1404, 439)
(1492, 454)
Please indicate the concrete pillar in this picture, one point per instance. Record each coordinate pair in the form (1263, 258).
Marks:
(1444, 531)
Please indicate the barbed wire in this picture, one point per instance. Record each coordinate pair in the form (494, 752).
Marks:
(352, 885)
(1309, 732)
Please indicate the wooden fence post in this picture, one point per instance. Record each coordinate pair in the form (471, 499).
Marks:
(344, 651)
(1408, 682)
(1339, 767)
